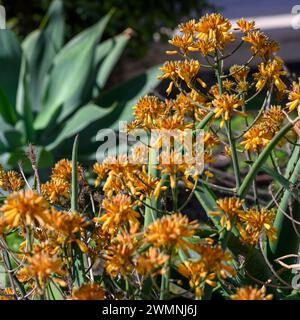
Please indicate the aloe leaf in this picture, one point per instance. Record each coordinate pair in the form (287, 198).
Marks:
(7, 111)
(74, 193)
(40, 48)
(118, 102)
(80, 120)
(207, 199)
(287, 241)
(23, 105)
(72, 67)
(261, 160)
(10, 61)
(106, 56)
(117, 47)
(126, 95)
(284, 182)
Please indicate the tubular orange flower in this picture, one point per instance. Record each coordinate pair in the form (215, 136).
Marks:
(171, 232)
(88, 291)
(225, 105)
(182, 42)
(245, 26)
(294, 97)
(42, 266)
(10, 181)
(212, 263)
(66, 223)
(270, 72)
(101, 171)
(63, 171)
(257, 222)
(147, 110)
(186, 70)
(261, 45)
(271, 120)
(230, 208)
(119, 254)
(205, 47)
(24, 207)
(239, 73)
(264, 130)
(57, 191)
(254, 140)
(250, 293)
(151, 263)
(118, 212)
(216, 28)
(188, 27)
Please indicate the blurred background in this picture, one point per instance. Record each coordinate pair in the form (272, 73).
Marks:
(154, 21)
(69, 67)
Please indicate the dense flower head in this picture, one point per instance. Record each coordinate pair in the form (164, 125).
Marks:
(261, 45)
(151, 262)
(185, 70)
(24, 208)
(10, 180)
(212, 263)
(118, 212)
(57, 190)
(294, 97)
(251, 293)
(148, 110)
(171, 232)
(254, 139)
(245, 26)
(239, 73)
(119, 254)
(214, 27)
(188, 27)
(262, 132)
(42, 266)
(182, 41)
(63, 170)
(131, 234)
(230, 209)
(255, 223)
(88, 291)
(270, 72)
(66, 224)
(225, 105)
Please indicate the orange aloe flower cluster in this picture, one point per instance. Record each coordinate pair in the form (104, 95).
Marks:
(146, 225)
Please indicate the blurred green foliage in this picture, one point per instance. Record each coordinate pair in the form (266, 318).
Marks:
(144, 17)
(52, 89)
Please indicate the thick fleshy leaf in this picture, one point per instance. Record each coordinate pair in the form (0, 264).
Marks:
(120, 101)
(23, 105)
(287, 240)
(72, 67)
(284, 182)
(7, 111)
(10, 61)
(207, 199)
(106, 56)
(40, 48)
(116, 46)
(126, 95)
(80, 120)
